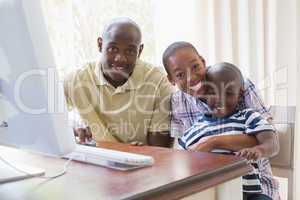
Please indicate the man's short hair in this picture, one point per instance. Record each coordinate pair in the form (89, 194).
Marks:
(122, 21)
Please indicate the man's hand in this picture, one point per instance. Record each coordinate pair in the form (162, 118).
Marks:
(136, 143)
(253, 153)
(161, 139)
(84, 134)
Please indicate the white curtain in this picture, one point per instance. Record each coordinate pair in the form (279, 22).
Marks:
(256, 35)
(297, 131)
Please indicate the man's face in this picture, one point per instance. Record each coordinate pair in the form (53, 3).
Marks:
(187, 71)
(120, 51)
(222, 96)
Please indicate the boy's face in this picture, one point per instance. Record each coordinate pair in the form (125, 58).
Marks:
(222, 95)
(187, 70)
(120, 51)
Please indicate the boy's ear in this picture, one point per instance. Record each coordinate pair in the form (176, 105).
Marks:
(241, 96)
(171, 80)
(99, 42)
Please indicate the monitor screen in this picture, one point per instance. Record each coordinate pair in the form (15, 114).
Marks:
(31, 94)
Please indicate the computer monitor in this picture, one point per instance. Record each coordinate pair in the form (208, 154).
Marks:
(31, 96)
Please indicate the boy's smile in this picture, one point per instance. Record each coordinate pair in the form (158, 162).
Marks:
(223, 90)
(187, 70)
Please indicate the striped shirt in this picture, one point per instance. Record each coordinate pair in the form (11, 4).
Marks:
(246, 121)
(186, 109)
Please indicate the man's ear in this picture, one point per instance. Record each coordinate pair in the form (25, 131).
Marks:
(140, 49)
(99, 42)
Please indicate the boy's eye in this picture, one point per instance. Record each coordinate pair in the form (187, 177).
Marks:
(195, 66)
(230, 93)
(180, 75)
(210, 92)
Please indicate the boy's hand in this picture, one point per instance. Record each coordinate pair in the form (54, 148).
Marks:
(253, 153)
(204, 146)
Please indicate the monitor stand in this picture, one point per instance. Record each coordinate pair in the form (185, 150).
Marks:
(9, 173)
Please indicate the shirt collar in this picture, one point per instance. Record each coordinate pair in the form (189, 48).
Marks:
(134, 81)
(100, 79)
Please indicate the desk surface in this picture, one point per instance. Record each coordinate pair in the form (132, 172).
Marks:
(175, 174)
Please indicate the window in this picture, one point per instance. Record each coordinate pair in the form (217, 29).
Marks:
(75, 25)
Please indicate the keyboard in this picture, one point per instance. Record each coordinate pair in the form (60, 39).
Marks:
(8, 173)
(110, 158)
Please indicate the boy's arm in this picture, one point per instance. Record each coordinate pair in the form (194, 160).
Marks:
(253, 100)
(268, 146)
(228, 142)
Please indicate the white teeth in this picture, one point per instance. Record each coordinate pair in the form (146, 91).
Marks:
(118, 67)
(196, 87)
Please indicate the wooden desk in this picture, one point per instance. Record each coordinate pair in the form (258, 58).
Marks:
(174, 175)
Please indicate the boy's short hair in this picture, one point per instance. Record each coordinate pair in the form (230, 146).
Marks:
(173, 48)
(227, 69)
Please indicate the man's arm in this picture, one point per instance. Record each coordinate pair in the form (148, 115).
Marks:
(97, 128)
(159, 128)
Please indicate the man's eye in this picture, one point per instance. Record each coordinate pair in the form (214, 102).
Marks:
(112, 49)
(131, 52)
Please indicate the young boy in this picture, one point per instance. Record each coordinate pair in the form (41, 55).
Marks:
(186, 69)
(224, 89)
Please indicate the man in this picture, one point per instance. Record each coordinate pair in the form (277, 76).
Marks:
(121, 98)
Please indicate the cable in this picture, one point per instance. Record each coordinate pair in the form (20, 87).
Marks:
(64, 170)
